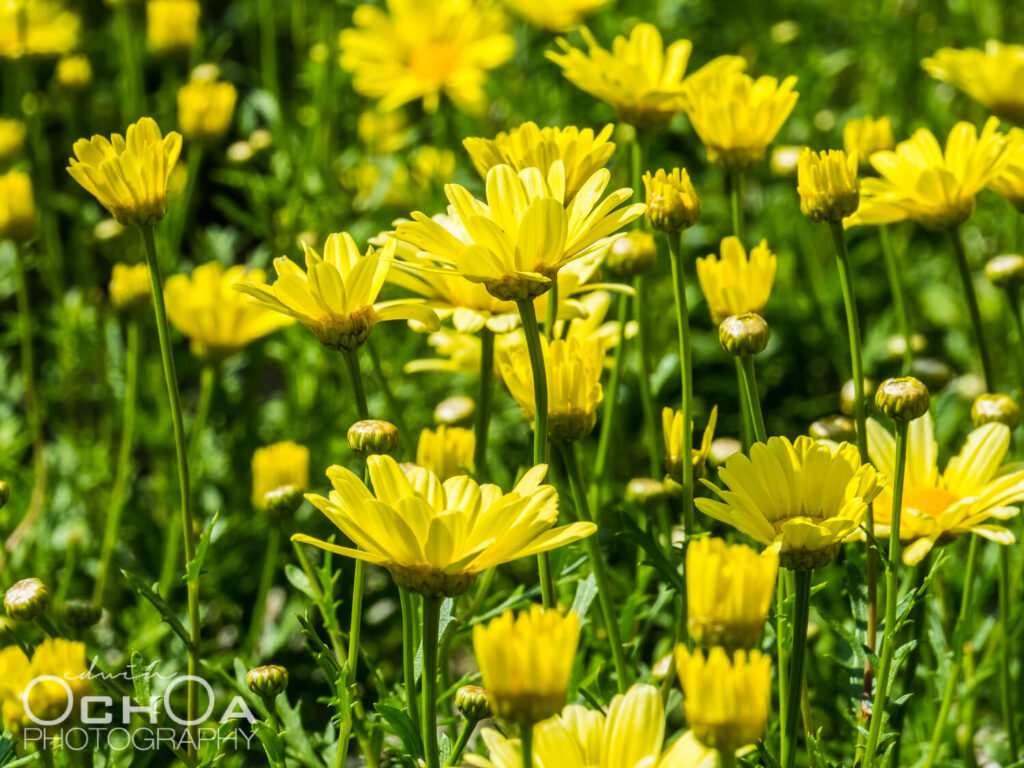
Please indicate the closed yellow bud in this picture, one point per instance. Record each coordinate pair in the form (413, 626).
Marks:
(280, 475)
(1006, 271)
(130, 287)
(744, 335)
(267, 681)
(17, 207)
(27, 600)
(828, 185)
(373, 437)
(672, 202)
(902, 399)
(995, 407)
(472, 703)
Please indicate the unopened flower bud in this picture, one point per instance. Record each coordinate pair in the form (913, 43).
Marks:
(828, 185)
(5, 493)
(936, 374)
(995, 407)
(631, 255)
(373, 436)
(283, 501)
(896, 345)
(839, 428)
(722, 448)
(1006, 271)
(472, 702)
(846, 395)
(455, 411)
(902, 399)
(672, 202)
(27, 600)
(80, 614)
(745, 334)
(267, 681)
(644, 491)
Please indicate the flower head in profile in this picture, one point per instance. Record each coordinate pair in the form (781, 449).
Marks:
(17, 207)
(130, 287)
(734, 283)
(436, 537)
(737, 117)
(1010, 182)
(44, 28)
(920, 182)
(420, 49)
(516, 242)
(556, 15)
(582, 152)
(218, 320)
(994, 77)
(172, 26)
(863, 136)
(974, 490)
(672, 202)
(128, 175)
(675, 451)
(726, 699)
(22, 692)
(803, 498)
(446, 451)
(12, 137)
(641, 78)
(525, 661)
(827, 184)
(206, 106)
(336, 296)
(280, 475)
(630, 735)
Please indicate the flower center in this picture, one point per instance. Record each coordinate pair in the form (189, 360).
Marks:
(434, 61)
(929, 501)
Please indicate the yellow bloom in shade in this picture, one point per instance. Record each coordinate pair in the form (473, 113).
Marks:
(827, 184)
(922, 183)
(556, 15)
(1010, 182)
(24, 699)
(436, 537)
(279, 471)
(130, 287)
(672, 430)
(73, 72)
(419, 49)
(217, 319)
(525, 661)
(803, 498)
(733, 283)
(447, 451)
(37, 28)
(17, 207)
(172, 26)
(582, 152)
(975, 488)
(631, 735)
(726, 699)
(729, 590)
(516, 242)
(639, 77)
(994, 77)
(12, 136)
(573, 370)
(336, 297)
(128, 175)
(863, 136)
(205, 106)
(737, 117)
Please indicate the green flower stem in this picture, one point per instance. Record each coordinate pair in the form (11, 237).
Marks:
(527, 744)
(259, 611)
(207, 383)
(782, 647)
(483, 405)
(735, 184)
(878, 710)
(960, 632)
(551, 316)
(675, 244)
(801, 614)
(351, 357)
(431, 624)
(409, 652)
(181, 450)
(131, 69)
(468, 726)
(892, 268)
(597, 565)
(119, 493)
(268, 47)
(746, 425)
(644, 354)
(753, 398)
(726, 759)
(1013, 298)
(540, 425)
(1006, 700)
(395, 409)
(972, 305)
(48, 627)
(329, 619)
(917, 620)
(611, 396)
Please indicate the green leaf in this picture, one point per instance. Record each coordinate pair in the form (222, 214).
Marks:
(270, 740)
(403, 727)
(655, 556)
(195, 566)
(165, 610)
(298, 579)
(586, 591)
(141, 675)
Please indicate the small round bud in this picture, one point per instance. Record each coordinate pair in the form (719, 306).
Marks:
(902, 399)
(745, 334)
(27, 600)
(80, 614)
(995, 407)
(267, 681)
(1006, 271)
(373, 436)
(846, 395)
(839, 428)
(283, 501)
(455, 411)
(5, 493)
(631, 255)
(935, 374)
(472, 702)
(645, 491)
(722, 448)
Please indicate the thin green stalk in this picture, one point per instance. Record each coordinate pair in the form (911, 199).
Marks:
(1006, 698)
(892, 269)
(468, 726)
(675, 245)
(259, 611)
(356, 621)
(801, 614)
(597, 565)
(526, 743)
(268, 47)
(409, 653)
(551, 316)
(753, 398)
(181, 450)
(395, 409)
(207, 383)
(726, 759)
(746, 424)
(611, 396)
(735, 184)
(782, 648)
(351, 357)
(330, 621)
(431, 624)
(913, 659)
(119, 493)
(644, 374)
(483, 405)
(878, 710)
(130, 66)
(1013, 298)
(964, 268)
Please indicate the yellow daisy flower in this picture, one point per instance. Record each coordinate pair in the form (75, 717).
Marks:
(206, 106)
(556, 15)
(279, 471)
(802, 498)
(994, 77)
(863, 136)
(922, 183)
(217, 319)
(172, 26)
(12, 136)
(130, 287)
(436, 537)
(446, 451)
(17, 207)
(974, 489)
(73, 73)
(46, 699)
(672, 431)
(733, 283)
(37, 28)
(419, 49)
(1010, 182)
(582, 152)
(737, 117)
(639, 77)
(336, 297)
